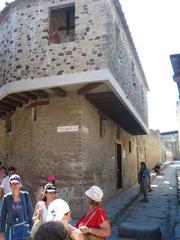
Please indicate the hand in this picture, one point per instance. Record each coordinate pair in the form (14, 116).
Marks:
(2, 237)
(39, 212)
(85, 229)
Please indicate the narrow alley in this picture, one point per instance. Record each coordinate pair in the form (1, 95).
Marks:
(153, 220)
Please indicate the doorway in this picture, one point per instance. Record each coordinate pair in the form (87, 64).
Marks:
(119, 165)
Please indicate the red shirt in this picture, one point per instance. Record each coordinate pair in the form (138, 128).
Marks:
(97, 216)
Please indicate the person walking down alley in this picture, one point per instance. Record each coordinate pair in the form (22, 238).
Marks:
(144, 180)
(16, 213)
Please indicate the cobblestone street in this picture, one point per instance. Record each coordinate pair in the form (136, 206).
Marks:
(155, 219)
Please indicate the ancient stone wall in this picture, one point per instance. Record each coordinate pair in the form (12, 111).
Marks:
(78, 158)
(149, 148)
(100, 42)
(25, 51)
(123, 62)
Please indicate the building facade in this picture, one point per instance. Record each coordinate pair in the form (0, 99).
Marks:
(73, 96)
(170, 146)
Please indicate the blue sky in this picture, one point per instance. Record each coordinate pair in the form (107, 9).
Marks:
(154, 25)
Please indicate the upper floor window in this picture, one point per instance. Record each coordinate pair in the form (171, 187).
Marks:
(62, 24)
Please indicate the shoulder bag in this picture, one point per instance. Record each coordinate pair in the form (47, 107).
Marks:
(89, 236)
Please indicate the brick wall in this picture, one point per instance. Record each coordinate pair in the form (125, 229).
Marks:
(79, 159)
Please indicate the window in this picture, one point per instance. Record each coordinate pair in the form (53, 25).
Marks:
(101, 126)
(62, 25)
(8, 125)
(129, 146)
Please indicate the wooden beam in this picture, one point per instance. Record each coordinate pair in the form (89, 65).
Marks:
(7, 107)
(88, 88)
(59, 91)
(2, 114)
(104, 117)
(3, 110)
(29, 95)
(109, 95)
(105, 101)
(39, 103)
(12, 102)
(8, 116)
(41, 93)
(18, 97)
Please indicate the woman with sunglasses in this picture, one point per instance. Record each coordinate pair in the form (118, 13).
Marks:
(41, 207)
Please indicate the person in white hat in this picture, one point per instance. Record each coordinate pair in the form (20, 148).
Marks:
(59, 210)
(95, 221)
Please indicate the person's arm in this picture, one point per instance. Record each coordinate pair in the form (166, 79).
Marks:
(37, 212)
(104, 229)
(3, 218)
(30, 208)
(1, 193)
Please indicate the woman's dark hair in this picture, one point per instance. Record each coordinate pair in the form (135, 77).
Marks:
(92, 202)
(51, 231)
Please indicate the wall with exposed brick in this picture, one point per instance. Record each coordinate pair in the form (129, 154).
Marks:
(79, 159)
(100, 41)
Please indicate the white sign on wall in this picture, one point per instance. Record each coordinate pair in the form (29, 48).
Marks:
(85, 130)
(73, 128)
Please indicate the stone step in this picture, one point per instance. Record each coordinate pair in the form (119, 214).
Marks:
(140, 231)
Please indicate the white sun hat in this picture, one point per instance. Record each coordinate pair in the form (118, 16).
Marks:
(57, 209)
(95, 193)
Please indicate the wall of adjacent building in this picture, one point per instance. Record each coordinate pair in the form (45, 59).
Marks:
(149, 148)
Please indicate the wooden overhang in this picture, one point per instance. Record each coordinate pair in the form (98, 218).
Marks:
(109, 104)
(106, 102)
(11, 102)
(175, 62)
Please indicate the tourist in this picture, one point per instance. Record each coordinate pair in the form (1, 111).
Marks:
(41, 207)
(51, 231)
(59, 210)
(5, 186)
(157, 170)
(16, 213)
(144, 181)
(95, 221)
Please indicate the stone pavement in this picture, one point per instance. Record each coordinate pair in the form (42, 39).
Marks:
(158, 219)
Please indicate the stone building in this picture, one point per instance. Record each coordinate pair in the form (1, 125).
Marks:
(149, 148)
(175, 62)
(170, 145)
(73, 96)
